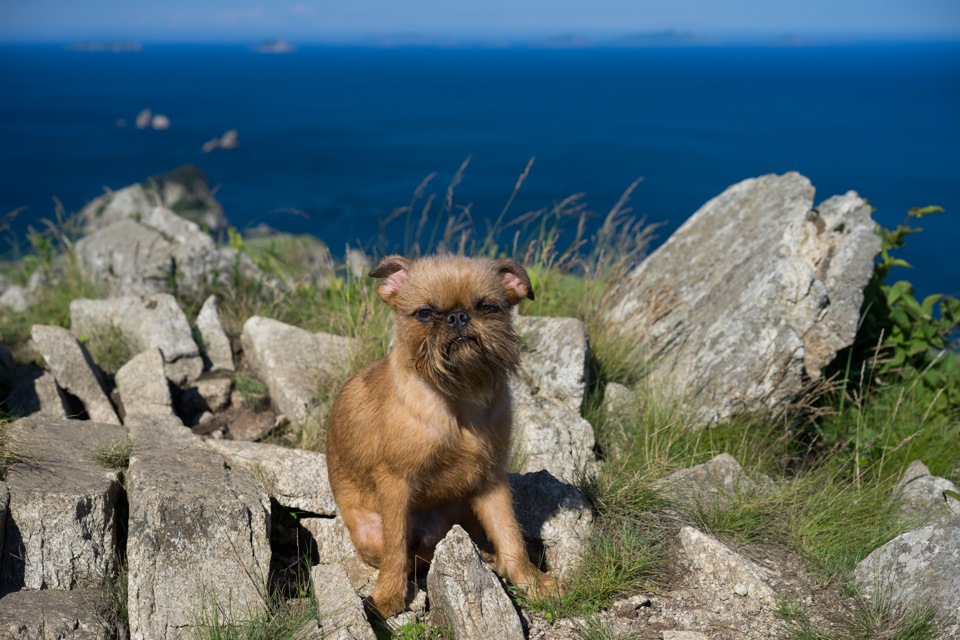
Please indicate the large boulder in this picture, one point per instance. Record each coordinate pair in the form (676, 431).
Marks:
(716, 483)
(74, 370)
(554, 360)
(199, 534)
(751, 297)
(153, 321)
(49, 614)
(925, 498)
(295, 364)
(60, 531)
(143, 387)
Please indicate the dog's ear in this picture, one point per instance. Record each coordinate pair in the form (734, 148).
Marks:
(395, 271)
(515, 279)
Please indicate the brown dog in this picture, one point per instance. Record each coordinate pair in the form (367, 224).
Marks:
(418, 440)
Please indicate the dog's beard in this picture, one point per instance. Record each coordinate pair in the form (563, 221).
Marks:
(469, 365)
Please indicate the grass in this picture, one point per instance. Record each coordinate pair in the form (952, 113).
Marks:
(109, 348)
(114, 455)
(255, 393)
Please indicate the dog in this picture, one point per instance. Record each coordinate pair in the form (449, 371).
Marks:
(418, 440)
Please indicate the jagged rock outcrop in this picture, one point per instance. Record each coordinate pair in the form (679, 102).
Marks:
(295, 478)
(295, 364)
(198, 534)
(465, 595)
(74, 370)
(60, 531)
(555, 515)
(143, 387)
(751, 297)
(152, 321)
(339, 609)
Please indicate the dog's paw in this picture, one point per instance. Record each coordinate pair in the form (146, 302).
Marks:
(384, 603)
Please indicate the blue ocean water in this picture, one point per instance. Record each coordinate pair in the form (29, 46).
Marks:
(343, 135)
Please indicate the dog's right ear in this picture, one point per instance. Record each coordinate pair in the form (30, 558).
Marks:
(395, 271)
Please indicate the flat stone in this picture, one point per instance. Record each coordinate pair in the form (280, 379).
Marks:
(145, 321)
(216, 344)
(295, 478)
(555, 357)
(466, 596)
(143, 386)
(554, 514)
(751, 297)
(339, 609)
(716, 482)
(52, 614)
(60, 531)
(294, 364)
(74, 370)
(199, 534)
(334, 547)
(721, 570)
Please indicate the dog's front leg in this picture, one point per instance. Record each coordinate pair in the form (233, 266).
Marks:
(393, 499)
(494, 509)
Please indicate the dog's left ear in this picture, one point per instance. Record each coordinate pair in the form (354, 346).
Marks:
(393, 270)
(516, 280)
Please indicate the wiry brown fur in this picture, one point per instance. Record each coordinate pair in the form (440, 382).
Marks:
(418, 440)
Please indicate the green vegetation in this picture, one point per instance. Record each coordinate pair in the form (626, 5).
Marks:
(115, 455)
(252, 390)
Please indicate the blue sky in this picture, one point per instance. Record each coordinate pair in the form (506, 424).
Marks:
(238, 20)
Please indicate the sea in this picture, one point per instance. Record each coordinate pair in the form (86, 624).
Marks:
(334, 139)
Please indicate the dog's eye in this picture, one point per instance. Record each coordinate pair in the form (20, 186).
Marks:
(488, 308)
(423, 314)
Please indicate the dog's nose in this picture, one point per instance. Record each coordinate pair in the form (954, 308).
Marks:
(457, 319)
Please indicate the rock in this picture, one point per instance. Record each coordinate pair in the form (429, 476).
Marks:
(209, 393)
(186, 190)
(4, 507)
(160, 122)
(465, 595)
(339, 609)
(618, 399)
(35, 393)
(145, 321)
(127, 203)
(250, 425)
(74, 370)
(555, 358)
(554, 514)
(60, 531)
(216, 344)
(49, 614)
(198, 534)
(143, 387)
(919, 568)
(295, 364)
(921, 496)
(717, 482)
(144, 118)
(723, 571)
(358, 263)
(15, 298)
(334, 547)
(550, 435)
(751, 297)
(293, 477)
(685, 635)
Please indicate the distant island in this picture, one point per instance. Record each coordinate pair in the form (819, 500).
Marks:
(275, 46)
(122, 46)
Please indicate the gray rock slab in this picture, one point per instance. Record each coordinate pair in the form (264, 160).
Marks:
(294, 364)
(114, 206)
(550, 435)
(723, 571)
(716, 482)
(74, 370)
(143, 386)
(15, 298)
(145, 321)
(554, 514)
(211, 392)
(51, 614)
(198, 534)
(915, 569)
(293, 477)
(339, 609)
(334, 547)
(555, 358)
(921, 496)
(35, 393)
(60, 530)
(216, 344)
(751, 297)
(465, 595)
